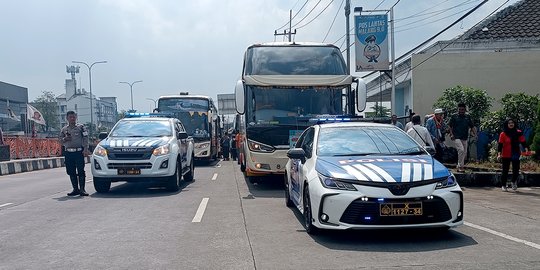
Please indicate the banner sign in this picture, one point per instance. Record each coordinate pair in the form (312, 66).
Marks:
(371, 42)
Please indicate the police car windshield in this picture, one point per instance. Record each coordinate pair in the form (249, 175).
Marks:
(139, 128)
(361, 140)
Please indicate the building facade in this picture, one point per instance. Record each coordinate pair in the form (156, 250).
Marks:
(104, 109)
(13, 100)
(500, 55)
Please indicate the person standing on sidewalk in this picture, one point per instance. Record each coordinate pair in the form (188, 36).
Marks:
(508, 151)
(395, 122)
(74, 139)
(437, 129)
(419, 133)
(460, 124)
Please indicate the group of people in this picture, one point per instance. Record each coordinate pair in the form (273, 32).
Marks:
(229, 145)
(460, 128)
(433, 135)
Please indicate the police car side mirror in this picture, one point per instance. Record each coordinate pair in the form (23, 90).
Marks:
(102, 135)
(182, 135)
(297, 153)
(431, 150)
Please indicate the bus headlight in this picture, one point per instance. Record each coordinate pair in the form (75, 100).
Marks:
(202, 145)
(162, 150)
(100, 151)
(259, 147)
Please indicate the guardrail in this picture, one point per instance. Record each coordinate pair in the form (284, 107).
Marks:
(26, 147)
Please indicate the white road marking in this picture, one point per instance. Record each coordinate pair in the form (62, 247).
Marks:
(5, 204)
(214, 177)
(503, 235)
(200, 211)
(88, 181)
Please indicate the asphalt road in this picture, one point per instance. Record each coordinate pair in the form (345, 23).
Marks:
(221, 221)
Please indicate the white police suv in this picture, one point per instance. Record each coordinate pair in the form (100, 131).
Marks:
(145, 148)
(357, 175)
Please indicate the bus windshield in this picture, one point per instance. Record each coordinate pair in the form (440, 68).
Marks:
(294, 60)
(193, 113)
(286, 106)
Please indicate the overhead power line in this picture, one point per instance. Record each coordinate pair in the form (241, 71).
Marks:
(287, 23)
(322, 11)
(334, 20)
(454, 40)
(306, 14)
(437, 13)
(451, 15)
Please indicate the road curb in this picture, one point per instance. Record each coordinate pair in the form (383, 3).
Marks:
(28, 165)
(493, 179)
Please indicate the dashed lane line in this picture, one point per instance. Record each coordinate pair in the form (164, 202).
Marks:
(214, 177)
(5, 204)
(503, 235)
(200, 212)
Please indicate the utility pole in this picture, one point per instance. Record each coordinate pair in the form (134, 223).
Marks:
(285, 32)
(348, 37)
(393, 56)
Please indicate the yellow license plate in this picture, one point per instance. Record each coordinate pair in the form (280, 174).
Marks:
(401, 209)
(129, 171)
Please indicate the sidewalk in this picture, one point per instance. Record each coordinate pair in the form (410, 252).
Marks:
(33, 164)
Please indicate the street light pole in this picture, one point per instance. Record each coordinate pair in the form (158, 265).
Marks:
(131, 89)
(155, 102)
(91, 97)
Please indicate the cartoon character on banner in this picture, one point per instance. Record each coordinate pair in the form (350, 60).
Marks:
(372, 51)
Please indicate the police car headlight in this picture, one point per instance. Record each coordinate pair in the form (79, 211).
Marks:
(100, 151)
(203, 145)
(449, 182)
(162, 150)
(259, 147)
(329, 182)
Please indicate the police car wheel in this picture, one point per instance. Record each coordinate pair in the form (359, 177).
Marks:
(172, 183)
(189, 176)
(101, 185)
(288, 201)
(308, 217)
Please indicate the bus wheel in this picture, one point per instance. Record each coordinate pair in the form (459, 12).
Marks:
(253, 179)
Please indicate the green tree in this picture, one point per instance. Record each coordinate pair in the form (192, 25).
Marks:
(536, 139)
(378, 111)
(121, 114)
(478, 102)
(518, 106)
(48, 106)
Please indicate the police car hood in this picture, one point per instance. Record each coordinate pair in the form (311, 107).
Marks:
(138, 142)
(390, 169)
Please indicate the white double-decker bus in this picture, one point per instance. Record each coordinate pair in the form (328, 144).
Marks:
(200, 118)
(283, 86)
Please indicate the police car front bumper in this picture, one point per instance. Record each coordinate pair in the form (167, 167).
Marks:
(133, 170)
(368, 207)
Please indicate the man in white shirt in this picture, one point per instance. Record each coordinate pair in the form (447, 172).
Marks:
(409, 124)
(419, 133)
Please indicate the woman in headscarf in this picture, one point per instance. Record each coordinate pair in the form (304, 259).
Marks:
(509, 151)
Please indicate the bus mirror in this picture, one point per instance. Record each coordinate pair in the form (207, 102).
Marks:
(239, 96)
(361, 94)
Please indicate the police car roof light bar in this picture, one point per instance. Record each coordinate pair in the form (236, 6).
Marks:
(134, 115)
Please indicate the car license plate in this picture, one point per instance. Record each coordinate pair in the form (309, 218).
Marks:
(129, 171)
(401, 209)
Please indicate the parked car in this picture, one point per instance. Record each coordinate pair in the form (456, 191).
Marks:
(144, 149)
(352, 175)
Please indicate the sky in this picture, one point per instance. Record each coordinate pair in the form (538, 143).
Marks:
(177, 45)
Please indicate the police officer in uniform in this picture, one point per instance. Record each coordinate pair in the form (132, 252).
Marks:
(74, 139)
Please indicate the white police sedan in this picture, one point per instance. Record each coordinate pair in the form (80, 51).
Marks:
(357, 175)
